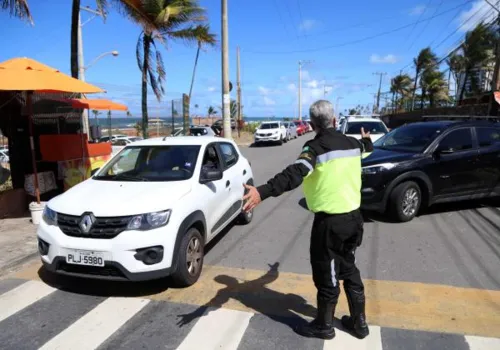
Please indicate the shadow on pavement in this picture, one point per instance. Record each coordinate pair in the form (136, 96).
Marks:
(256, 295)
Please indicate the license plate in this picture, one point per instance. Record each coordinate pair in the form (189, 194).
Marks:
(84, 257)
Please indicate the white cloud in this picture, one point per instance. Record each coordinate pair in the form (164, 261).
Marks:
(291, 87)
(480, 10)
(211, 89)
(263, 90)
(269, 101)
(385, 59)
(312, 84)
(417, 10)
(308, 24)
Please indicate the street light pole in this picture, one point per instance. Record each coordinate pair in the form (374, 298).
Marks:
(226, 98)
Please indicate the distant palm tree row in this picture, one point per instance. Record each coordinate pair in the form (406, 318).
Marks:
(160, 22)
(475, 52)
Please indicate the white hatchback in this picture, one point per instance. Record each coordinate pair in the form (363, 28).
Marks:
(149, 212)
(352, 127)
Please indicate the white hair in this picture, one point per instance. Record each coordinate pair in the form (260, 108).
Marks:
(321, 114)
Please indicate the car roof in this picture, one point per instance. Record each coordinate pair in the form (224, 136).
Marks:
(271, 121)
(181, 141)
(363, 119)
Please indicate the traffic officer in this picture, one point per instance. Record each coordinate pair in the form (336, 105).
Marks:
(330, 168)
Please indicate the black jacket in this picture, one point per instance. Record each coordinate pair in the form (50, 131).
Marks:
(292, 176)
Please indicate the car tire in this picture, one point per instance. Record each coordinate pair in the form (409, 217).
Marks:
(405, 201)
(245, 217)
(189, 258)
(280, 142)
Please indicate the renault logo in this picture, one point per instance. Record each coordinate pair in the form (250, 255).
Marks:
(86, 223)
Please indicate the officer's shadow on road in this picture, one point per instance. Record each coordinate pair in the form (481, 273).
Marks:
(256, 295)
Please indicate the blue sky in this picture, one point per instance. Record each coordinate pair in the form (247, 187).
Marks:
(341, 38)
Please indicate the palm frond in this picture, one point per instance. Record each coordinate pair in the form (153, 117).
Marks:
(196, 34)
(139, 51)
(19, 9)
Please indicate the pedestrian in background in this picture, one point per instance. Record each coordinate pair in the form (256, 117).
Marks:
(329, 166)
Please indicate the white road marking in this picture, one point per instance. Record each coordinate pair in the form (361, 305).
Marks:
(22, 296)
(220, 329)
(482, 343)
(92, 329)
(345, 341)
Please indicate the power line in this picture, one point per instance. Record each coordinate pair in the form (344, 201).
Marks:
(426, 25)
(419, 17)
(359, 40)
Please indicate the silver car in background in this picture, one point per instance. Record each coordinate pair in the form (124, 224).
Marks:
(291, 130)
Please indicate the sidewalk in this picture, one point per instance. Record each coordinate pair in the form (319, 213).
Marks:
(18, 244)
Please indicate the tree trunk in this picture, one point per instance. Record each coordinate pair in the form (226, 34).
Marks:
(417, 70)
(393, 102)
(144, 92)
(75, 13)
(462, 91)
(194, 70)
(422, 98)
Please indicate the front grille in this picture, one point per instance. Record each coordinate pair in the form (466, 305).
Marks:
(103, 227)
(106, 271)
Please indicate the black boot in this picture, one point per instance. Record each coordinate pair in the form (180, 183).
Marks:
(356, 323)
(322, 326)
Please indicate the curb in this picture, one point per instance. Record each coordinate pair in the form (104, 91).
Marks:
(9, 268)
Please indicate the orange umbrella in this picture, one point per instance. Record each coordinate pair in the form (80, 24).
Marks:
(99, 104)
(25, 74)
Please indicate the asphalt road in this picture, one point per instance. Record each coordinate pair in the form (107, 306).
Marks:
(456, 245)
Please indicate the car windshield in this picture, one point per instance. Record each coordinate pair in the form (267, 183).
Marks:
(372, 127)
(269, 126)
(410, 138)
(151, 163)
(298, 123)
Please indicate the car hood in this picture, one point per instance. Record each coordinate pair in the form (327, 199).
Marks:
(114, 198)
(373, 137)
(379, 156)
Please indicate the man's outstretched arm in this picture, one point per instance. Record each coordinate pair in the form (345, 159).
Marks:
(290, 178)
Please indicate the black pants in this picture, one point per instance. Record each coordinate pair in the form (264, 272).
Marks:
(334, 240)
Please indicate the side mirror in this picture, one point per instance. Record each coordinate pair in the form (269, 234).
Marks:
(209, 175)
(92, 172)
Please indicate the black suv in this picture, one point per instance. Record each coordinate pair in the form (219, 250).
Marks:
(423, 163)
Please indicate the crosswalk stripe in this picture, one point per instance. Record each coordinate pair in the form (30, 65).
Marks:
(482, 343)
(20, 297)
(219, 329)
(345, 341)
(97, 325)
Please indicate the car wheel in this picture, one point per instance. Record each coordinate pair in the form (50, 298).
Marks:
(405, 201)
(245, 217)
(280, 142)
(189, 258)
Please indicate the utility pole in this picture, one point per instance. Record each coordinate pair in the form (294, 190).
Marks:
(238, 90)
(379, 87)
(324, 89)
(301, 63)
(226, 97)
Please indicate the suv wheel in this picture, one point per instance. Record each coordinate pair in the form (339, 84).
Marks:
(280, 142)
(405, 201)
(189, 258)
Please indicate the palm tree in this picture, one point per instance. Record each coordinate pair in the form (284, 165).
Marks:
(200, 44)
(434, 86)
(18, 8)
(401, 85)
(95, 112)
(456, 63)
(211, 111)
(162, 20)
(425, 59)
(475, 52)
(75, 22)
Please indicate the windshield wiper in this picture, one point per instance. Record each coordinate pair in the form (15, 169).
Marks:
(129, 177)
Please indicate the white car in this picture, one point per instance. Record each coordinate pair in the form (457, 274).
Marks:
(148, 212)
(352, 127)
(271, 132)
(291, 130)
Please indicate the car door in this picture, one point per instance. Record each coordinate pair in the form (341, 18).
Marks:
(488, 169)
(232, 180)
(213, 193)
(453, 170)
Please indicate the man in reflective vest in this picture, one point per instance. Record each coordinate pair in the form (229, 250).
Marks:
(329, 167)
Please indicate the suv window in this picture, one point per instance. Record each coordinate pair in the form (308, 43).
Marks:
(229, 154)
(488, 136)
(457, 140)
(211, 159)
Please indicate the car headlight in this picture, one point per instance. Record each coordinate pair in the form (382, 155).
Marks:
(49, 216)
(149, 221)
(375, 169)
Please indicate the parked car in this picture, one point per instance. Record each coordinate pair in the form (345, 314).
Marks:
(301, 128)
(308, 126)
(219, 124)
(274, 131)
(291, 130)
(420, 164)
(148, 212)
(202, 131)
(352, 127)
(113, 138)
